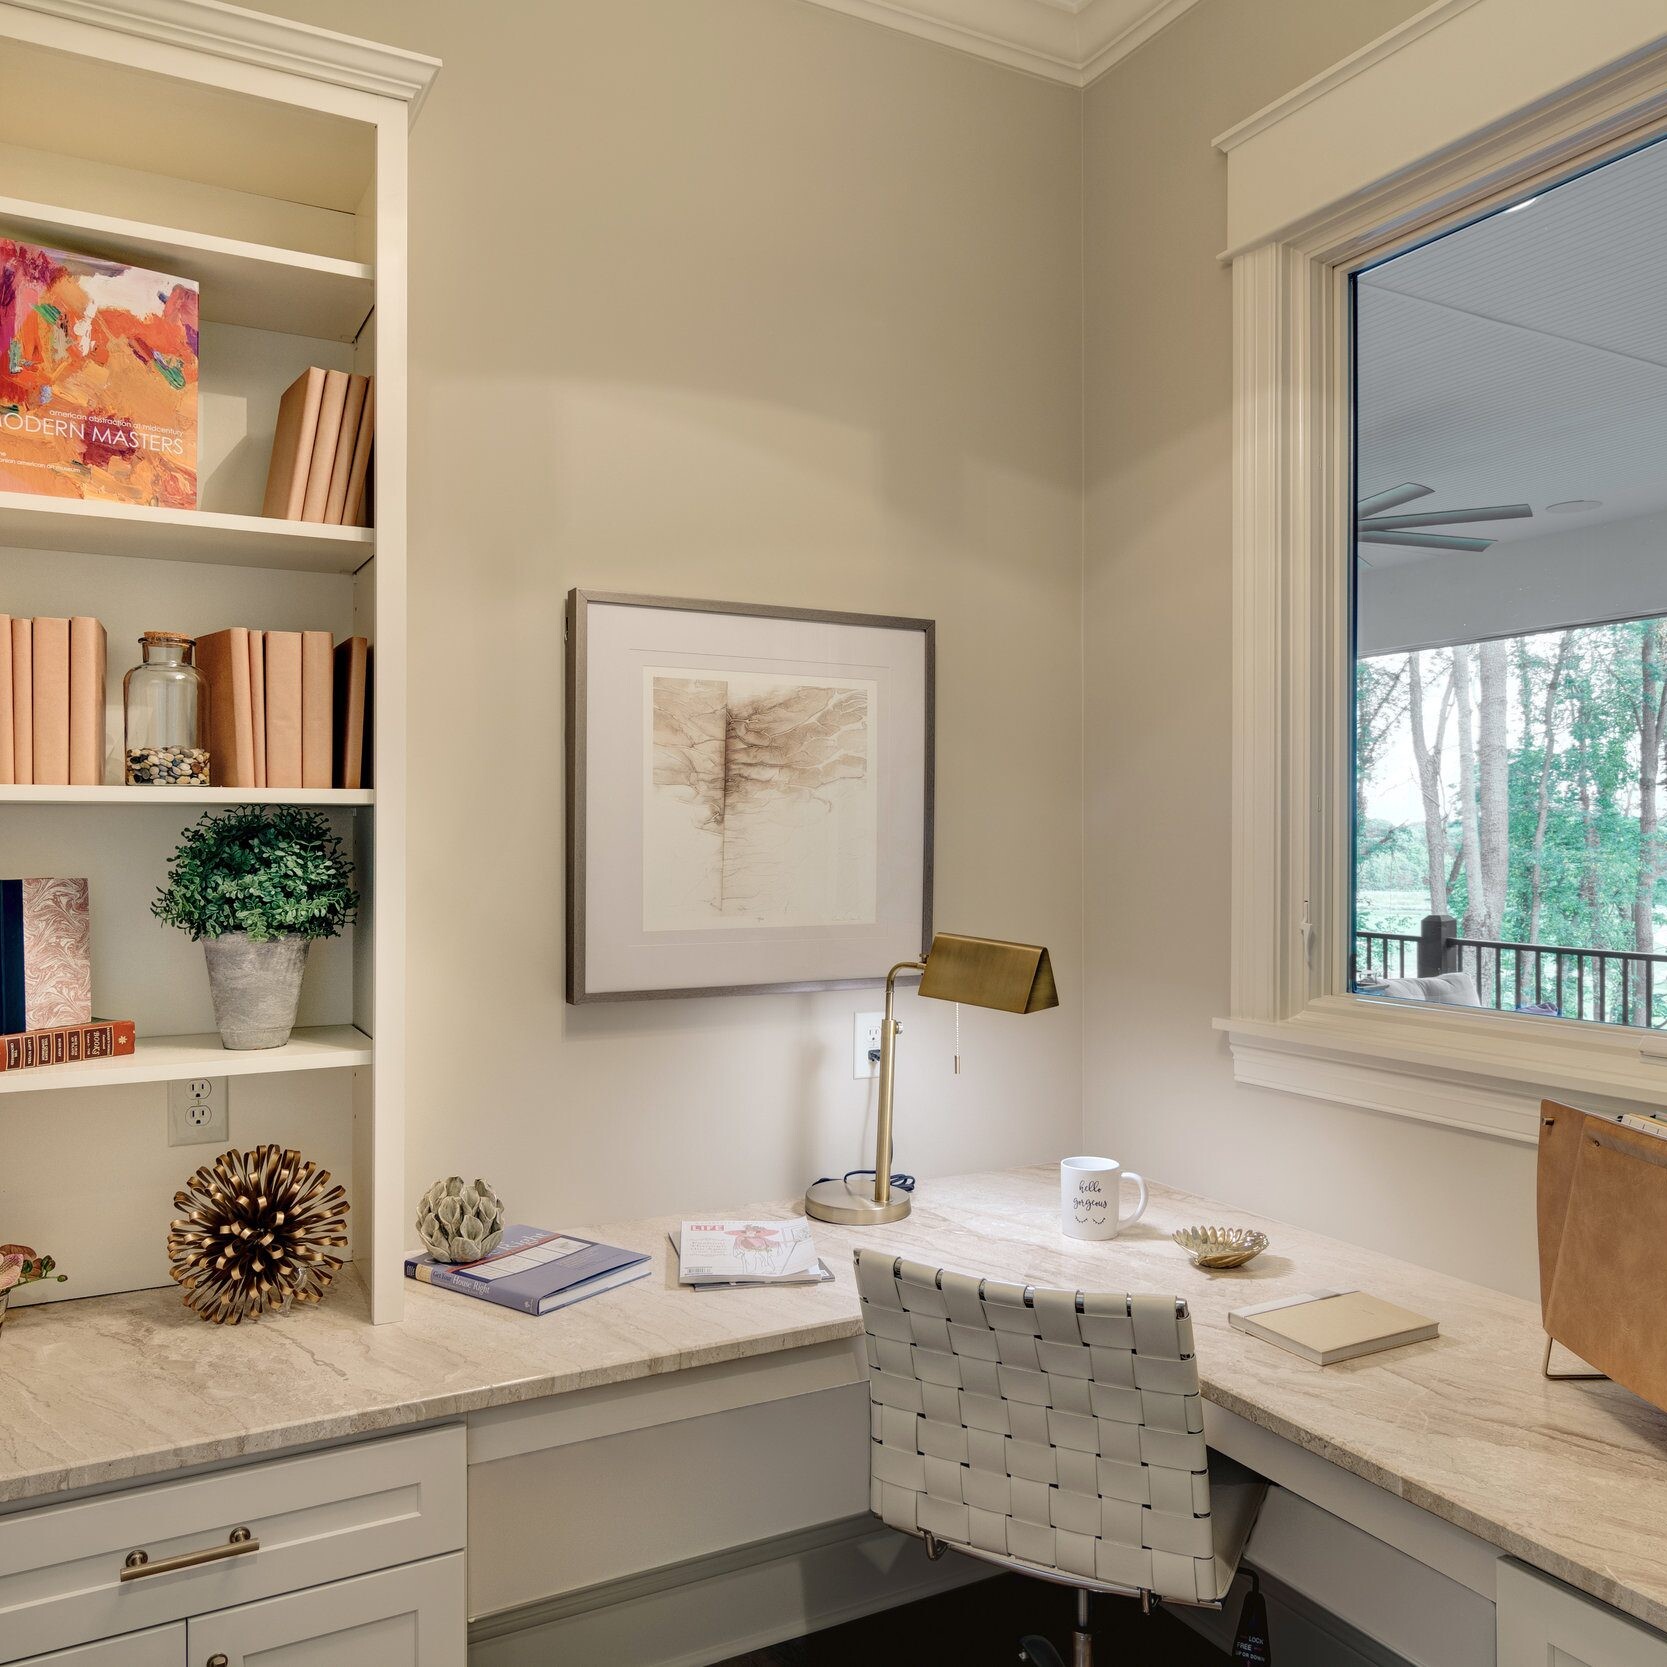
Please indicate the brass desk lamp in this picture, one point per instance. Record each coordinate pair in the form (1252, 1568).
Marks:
(977, 972)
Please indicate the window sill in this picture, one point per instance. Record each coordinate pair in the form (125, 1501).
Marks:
(1485, 1073)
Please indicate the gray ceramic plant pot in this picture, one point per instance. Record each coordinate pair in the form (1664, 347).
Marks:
(256, 985)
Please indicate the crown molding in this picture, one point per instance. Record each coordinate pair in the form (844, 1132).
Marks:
(1070, 41)
(223, 31)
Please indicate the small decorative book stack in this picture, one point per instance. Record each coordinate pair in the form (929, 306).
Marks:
(52, 674)
(46, 978)
(320, 468)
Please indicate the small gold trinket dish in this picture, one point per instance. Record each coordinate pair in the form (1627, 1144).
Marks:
(1220, 1247)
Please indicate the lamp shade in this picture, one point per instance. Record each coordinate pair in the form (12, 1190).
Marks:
(987, 972)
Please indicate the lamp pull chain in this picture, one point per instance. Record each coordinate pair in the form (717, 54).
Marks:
(957, 1038)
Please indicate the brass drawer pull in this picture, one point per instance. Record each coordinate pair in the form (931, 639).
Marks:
(138, 1564)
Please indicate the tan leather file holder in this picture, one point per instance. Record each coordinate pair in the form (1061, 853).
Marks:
(1602, 1208)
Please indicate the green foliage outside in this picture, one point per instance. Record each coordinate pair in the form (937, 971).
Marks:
(268, 872)
(1593, 845)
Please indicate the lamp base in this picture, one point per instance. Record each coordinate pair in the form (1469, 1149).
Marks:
(834, 1201)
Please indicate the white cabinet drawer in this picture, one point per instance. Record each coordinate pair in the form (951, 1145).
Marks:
(318, 1518)
(1543, 1623)
(159, 1646)
(408, 1617)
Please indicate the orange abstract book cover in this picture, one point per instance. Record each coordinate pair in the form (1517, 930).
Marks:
(98, 379)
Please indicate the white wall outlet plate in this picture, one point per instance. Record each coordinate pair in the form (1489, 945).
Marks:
(197, 1111)
(866, 1039)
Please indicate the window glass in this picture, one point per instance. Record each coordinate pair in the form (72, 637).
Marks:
(1510, 723)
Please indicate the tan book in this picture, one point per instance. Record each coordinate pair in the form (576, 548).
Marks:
(292, 446)
(8, 765)
(283, 709)
(324, 445)
(223, 659)
(353, 511)
(50, 683)
(257, 702)
(23, 718)
(352, 664)
(318, 708)
(341, 469)
(89, 655)
(1328, 1326)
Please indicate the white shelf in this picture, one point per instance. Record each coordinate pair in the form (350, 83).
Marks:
(205, 796)
(251, 284)
(174, 1058)
(93, 525)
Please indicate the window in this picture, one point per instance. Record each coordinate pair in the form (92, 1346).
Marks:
(1321, 185)
(1510, 617)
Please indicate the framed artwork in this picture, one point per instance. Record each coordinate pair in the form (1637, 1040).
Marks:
(749, 797)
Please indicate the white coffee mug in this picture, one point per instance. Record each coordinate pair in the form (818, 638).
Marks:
(1091, 1198)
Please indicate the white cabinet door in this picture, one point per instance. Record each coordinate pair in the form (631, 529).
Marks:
(406, 1617)
(1543, 1623)
(157, 1646)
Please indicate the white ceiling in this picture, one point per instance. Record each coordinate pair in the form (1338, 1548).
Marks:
(1524, 359)
(1072, 41)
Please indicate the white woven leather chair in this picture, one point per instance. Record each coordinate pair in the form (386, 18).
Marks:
(1058, 1433)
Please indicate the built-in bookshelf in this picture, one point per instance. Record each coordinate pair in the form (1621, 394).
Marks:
(266, 161)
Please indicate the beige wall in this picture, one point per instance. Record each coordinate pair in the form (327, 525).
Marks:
(1157, 635)
(738, 299)
(745, 298)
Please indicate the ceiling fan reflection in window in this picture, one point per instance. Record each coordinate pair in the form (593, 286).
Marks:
(1376, 524)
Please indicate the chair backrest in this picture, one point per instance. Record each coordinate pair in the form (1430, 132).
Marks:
(1061, 1430)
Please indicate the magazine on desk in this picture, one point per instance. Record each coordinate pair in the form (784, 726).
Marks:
(721, 1255)
(535, 1271)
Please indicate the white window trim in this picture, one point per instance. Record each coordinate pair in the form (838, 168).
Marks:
(1469, 103)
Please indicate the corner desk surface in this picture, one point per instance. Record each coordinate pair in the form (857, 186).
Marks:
(1569, 1477)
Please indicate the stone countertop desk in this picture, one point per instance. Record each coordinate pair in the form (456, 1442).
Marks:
(1569, 1477)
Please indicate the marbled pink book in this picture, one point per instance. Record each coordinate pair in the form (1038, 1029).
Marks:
(57, 953)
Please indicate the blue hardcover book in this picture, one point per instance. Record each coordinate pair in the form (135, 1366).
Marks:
(14, 1015)
(535, 1271)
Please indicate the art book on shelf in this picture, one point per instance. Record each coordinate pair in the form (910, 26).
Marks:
(535, 1271)
(714, 1253)
(98, 379)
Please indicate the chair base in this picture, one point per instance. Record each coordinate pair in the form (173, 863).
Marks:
(1038, 1652)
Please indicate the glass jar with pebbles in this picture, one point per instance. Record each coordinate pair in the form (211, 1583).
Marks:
(165, 715)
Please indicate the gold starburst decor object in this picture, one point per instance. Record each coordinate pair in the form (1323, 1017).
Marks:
(257, 1233)
(1220, 1247)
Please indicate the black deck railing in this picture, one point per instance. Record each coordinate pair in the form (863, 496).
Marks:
(1602, 986)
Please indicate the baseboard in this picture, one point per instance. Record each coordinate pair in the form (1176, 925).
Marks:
(708, 1608)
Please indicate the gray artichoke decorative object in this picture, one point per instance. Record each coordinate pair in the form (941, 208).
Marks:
(460, 1221)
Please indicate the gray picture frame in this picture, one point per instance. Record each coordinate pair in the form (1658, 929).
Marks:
(579, 601)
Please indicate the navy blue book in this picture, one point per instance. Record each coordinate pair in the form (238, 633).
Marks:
(14, 1013)
(535, 1271)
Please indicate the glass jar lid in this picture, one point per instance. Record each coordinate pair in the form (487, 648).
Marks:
(166, 637)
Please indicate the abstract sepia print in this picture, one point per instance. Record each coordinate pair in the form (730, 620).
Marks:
(760, 801)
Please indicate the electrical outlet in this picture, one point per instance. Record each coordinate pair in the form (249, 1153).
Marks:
(197, 1111)
(866, 1039)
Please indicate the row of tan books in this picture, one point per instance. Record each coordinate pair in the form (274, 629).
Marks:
(320, 469)
(52, 701)
(286, 708)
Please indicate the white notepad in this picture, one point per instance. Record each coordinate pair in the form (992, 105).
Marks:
(1328, 1326)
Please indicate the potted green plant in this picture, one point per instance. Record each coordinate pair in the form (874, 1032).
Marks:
(256, 886)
